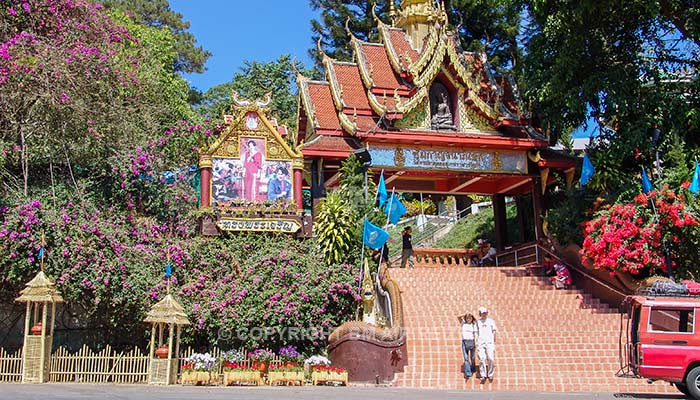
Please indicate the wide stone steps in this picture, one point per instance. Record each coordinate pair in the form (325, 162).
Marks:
(547, 340)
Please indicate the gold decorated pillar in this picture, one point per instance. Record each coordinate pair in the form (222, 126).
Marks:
(41, 298)
(205, 165)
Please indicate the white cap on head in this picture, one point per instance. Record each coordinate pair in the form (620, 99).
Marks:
(483, 310)
(480, 241)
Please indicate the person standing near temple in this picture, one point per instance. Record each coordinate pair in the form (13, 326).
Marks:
(485, 344)
(468, 323)
(252, 164)
(407, 248)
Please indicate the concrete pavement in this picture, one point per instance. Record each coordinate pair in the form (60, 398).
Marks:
(139, 392)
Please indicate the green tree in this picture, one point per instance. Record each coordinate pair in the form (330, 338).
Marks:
(157, 13)
(330, 29)
(255, 80)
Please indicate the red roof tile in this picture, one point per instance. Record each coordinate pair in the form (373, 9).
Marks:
(402, 45)
(326, 116)
(323, 143)
(354, 92)
(383, 75)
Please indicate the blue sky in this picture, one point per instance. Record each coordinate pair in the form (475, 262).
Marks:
(237, 31)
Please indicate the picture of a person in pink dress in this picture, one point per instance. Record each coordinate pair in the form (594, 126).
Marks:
(252, 166)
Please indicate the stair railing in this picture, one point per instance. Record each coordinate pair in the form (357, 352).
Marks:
(437, 223)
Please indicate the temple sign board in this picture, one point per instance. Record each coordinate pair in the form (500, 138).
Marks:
(250, 173)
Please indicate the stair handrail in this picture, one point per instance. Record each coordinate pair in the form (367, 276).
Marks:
(429, 231)
(541, 250)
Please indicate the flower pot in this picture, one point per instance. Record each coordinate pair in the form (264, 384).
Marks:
(291, 364)
(162, 351)
(260, 366)
(36, 329)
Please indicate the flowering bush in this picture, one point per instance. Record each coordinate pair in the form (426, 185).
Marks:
(317, 360)
(261, 355)
(231, 356)
(200, 362)
(289, 353)
(235, 366)
(629, 237)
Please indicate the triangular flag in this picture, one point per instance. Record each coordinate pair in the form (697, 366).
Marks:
(168, 270)
(41, 253)
(394, 209)
(646, 183)
(587, 170)
(381, 191)
(695, 184)
(373, 236)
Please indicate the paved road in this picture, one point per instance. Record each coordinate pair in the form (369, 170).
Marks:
(139, 392)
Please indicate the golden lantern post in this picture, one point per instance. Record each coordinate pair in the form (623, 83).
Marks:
(166, 315)
(38, 335)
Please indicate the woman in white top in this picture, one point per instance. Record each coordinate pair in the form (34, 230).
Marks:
(468, 337)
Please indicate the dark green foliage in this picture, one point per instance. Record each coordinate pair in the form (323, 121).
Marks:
(335, 40)
(157, 13)
(254, 82)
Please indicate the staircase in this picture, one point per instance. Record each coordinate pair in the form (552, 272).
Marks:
(547, 340)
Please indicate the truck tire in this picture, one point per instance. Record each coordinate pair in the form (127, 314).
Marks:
(692, 382)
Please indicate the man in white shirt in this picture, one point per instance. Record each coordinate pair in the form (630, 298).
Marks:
(485, 344)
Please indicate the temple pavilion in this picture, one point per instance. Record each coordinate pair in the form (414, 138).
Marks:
(435, 119)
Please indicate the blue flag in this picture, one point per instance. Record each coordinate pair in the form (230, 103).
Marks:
(587, 170)
(646, 183)
(695, 184)
(381, 191)
(394, 209)
(168, 270)
(373, 236)
(41, 253)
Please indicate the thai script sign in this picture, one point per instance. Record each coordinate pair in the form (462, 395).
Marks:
(450, 159)
(259, 224)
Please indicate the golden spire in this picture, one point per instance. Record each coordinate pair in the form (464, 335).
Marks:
(416, 17)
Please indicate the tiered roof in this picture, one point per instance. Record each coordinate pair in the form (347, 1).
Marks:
(384, 96)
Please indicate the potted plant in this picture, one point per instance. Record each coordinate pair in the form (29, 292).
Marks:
(313, 361)
(261, 358)
(287, 375)
(236, 370)
(329, 374)
(289, 355)
(197, 369)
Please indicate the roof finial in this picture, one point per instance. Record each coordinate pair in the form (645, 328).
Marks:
(392, 12)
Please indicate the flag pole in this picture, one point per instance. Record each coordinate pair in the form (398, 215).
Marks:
(376, 194)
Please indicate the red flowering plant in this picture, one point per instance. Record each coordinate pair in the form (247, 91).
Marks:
(629, 237)
(328, 368)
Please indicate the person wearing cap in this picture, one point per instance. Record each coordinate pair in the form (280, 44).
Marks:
(485, 344)
(563, 278)
(489, 252)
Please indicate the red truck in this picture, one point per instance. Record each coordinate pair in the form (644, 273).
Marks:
(661, 341)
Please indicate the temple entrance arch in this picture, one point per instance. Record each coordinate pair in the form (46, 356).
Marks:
(435, 119)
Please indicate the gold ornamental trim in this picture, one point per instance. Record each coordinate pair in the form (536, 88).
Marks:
(385, 37)
(336, 90)
(284, 225)
(413, 101)
(428, 53)
(433, 67)
(347, 125)
(205, 161)
(365, 74)
(303, 84)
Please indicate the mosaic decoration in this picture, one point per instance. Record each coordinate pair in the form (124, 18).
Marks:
(419, 117)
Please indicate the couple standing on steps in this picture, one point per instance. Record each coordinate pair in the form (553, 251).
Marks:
(479, 335)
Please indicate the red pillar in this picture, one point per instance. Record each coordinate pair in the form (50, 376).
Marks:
(205, 181)
(298, 182)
